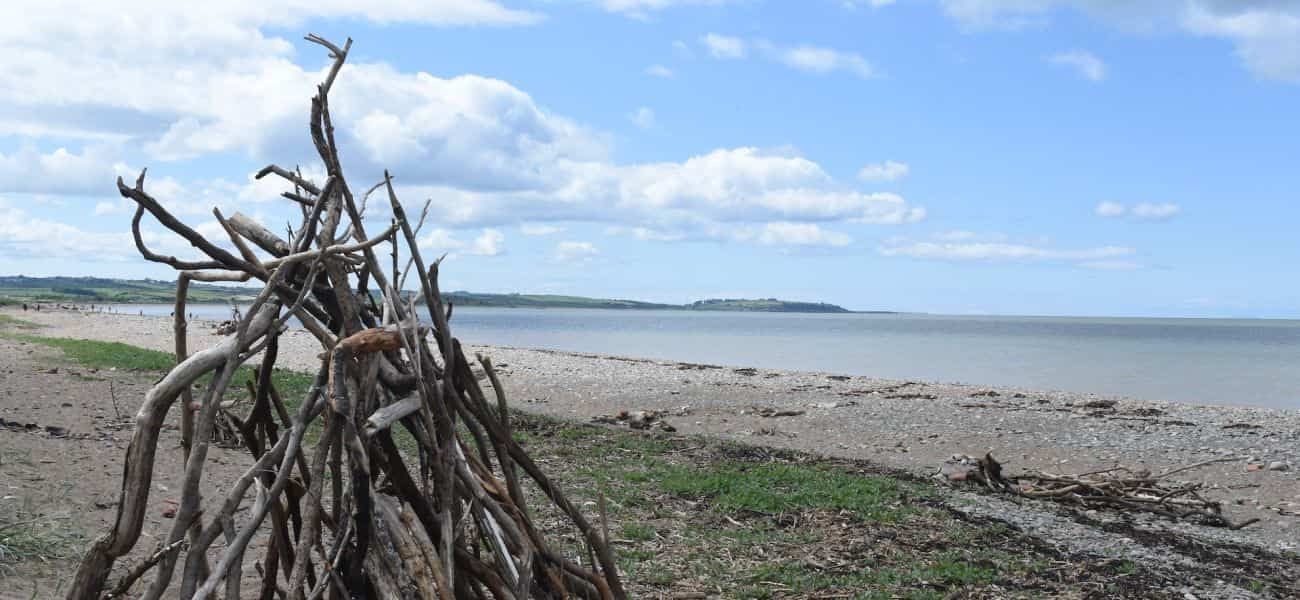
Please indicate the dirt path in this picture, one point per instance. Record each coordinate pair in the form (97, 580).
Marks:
(61, 450)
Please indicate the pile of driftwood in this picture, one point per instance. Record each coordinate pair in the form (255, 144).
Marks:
(331, 507)
(1118, 488)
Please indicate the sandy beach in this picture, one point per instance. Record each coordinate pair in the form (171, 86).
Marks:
(908, 425)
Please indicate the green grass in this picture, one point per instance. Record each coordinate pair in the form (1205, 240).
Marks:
(292, 385)
(28, 530)
(104, 355)
(775, 488)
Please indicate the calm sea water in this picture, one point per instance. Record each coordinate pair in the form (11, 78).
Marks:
(1207, 361)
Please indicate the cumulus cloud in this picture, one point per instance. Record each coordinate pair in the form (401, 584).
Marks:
(643, 117)
(24, 237)
(886, 171)
(800, 234)
(1110, 209)
(1084, 63)
(724, 47)
(1265, 33)
(92, 170)
(1148, 211)
(804, 57)
(659, 71)
(575, 252)
(488, 243)
(485, 151)
(959, 235)
(815, 59)
(539, 229)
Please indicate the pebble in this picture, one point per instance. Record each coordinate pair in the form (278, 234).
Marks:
(1278, 465)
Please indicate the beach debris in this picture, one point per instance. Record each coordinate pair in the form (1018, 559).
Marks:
(911, 396)
(1116, 488)
(838, 377)
(1278, 465)
(1242, 426)
(1100, 404)
(829, 405)
(748, 372)
(986, 394)
(637, 419)
(225, 328)
(770, 412)
(342, 510)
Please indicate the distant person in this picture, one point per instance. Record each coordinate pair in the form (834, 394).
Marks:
(24, 307)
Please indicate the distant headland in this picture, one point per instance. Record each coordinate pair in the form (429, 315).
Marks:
(17, 289)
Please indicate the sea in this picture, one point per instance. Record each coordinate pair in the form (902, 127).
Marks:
(1245, 362)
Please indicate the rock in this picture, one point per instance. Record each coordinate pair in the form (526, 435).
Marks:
(1278, 465)
(1103, 404)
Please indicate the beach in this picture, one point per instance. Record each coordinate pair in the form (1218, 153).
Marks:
(911, 426)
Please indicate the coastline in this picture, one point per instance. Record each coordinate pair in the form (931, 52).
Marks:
(907, 425)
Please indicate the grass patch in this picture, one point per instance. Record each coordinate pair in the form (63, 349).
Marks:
(96, 354)
(30, 533)
(782, 488)
(8, 322)
(690, 514)
(104, 355)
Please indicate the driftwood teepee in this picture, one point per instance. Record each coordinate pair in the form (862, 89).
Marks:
(349, 517)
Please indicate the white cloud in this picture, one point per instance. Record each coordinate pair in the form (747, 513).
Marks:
(25, 237)
(113, 208)
(886, 171)
(538, 229)
(1084, 63)
(966, 246)
(815, 59)
(641, 9)
(959, 235)
(488, 243)
(575, 251)
(1164, 210)
(484, 150)
(804, 57)
(1110, 209)
(800, 234)
(646, 234)
(1265, 33)
(725, 47)
(643, 117)
(92, 171)
(659, 71)
(1149, 211)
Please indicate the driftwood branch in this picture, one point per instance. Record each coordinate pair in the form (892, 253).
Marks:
(340, 515)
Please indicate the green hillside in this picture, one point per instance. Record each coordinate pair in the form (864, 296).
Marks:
(18, 289)
(765, 305)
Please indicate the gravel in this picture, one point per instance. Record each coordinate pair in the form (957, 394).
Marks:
(908, 425)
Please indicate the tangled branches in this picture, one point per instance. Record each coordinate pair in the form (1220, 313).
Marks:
(346, 516)
(1117, 488)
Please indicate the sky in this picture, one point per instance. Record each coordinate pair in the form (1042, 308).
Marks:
(1072, 157)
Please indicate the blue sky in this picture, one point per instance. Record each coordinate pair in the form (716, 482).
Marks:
(967, 156)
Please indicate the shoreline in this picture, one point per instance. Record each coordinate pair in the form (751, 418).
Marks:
(913, 426)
